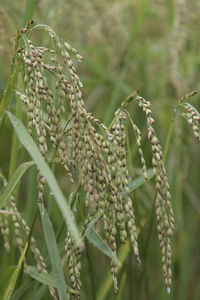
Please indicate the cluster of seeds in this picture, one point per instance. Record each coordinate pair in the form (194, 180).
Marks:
(21, 228)
(5, 231)
(101, 173)
(95, 158)
(38, 94)
(164, 212)
(21, 233)
(190, 113)
(138, 141)
(74, 265)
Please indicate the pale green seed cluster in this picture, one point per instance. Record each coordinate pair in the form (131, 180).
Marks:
(193, 118)
(190, 113)
(21, 228)
(111, 237)
(74, 265)
(5, 231)
(4, 224)
(122, 181)
(115, 205)
(102, 173)
(138, 141)
(164, 212)
(98, 160)
(91, 154)
(38, 94)
(21, 233)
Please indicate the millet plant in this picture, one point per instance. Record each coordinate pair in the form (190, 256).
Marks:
(60, 132)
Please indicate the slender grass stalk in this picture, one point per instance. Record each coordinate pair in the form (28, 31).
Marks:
(15, 66)
(15, 143)
(12, 78)
(169, 136)
(14, 70)
(28, 15)
(32, 194)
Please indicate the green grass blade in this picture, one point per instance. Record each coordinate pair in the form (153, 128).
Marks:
(94, 238)
(31, 195)
(15, 66)
(7, 295)
(34, 152)
(140, 180)
(53, 253)
(15, 141)
(45, 278)
(42, 277)
(93, 222)
(14, 181)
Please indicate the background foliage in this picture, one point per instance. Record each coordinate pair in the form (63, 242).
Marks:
(152, 46)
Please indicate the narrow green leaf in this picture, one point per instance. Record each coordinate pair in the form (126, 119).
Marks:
(53, 253)
(94, 238)
(42, 277)
(34, 152)
(7, 295)
(93, 222)
(46, 279)
(14, 181)
(140, 180)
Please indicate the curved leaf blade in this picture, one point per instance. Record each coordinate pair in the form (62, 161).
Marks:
(46, 278)
(45, 170)
(140, 180)
(42, 277)
(8, 293)
(94, 238)
(14, 181)
(53, 253)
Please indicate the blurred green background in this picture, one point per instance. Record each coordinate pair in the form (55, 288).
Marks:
(127, 45)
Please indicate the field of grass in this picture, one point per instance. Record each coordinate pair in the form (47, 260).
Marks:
(100, 147)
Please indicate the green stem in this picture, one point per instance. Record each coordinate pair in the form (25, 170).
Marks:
(14, 70)
(15, 143)
(123, 106)
(7, 95)
(32, 194)
(169, 135)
